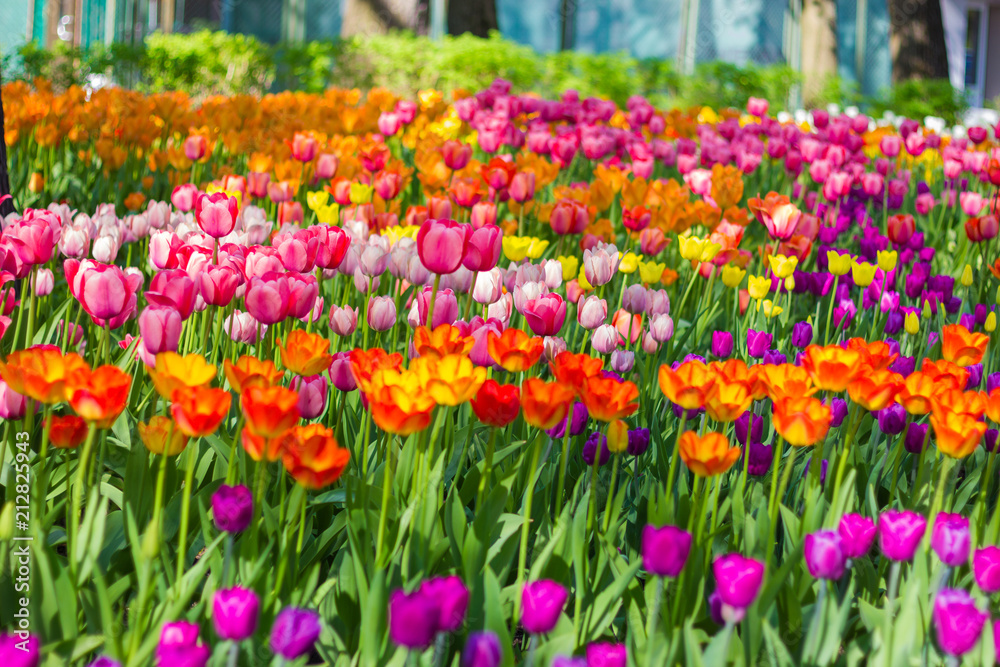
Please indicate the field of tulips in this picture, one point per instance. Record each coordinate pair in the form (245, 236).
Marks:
(487, 380)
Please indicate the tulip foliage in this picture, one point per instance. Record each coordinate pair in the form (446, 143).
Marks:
(357, 380)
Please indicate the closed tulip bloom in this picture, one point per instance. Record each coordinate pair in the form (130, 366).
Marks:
(708, 455)
(542, 602)
(857, 533)
(218, 284)
(600, 264)
(235, 612)
(216, 214)
(488, 288)
(482, 649)
(305, 353)
(106, 293)
(381, 313)
(312, 392)
(899, 534)
(606, 655)
(495, 404)
(665, 550)
(546, 314)
(160, 328)
(738, 578)
(413, 619)
(179, 646)
(442, 244)
(268, 300)
(958, 621)
(986, 568)
(445, 306)
(294, 632)
(69, 431)
(892, 419)
(199, 411)
(105, 661)
(161, 436)
(758, 342)
(343, 320)
(232, 508)
(99, 396)
(824, 554)
(801, 421)
(634, 299)
(722, 344)
(452, 599)
(950, 539)
(605, 339)
(482, 251)
(592, 312)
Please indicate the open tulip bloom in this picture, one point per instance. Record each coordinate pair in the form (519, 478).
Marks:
(495, 379)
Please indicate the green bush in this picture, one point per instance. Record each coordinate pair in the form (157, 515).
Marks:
(207, 62)
(920, 98)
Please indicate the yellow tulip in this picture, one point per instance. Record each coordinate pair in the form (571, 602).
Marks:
(582, 280)
(759, 286)
(732, 276)
(770, 310)
(863, 273)
(328, 215)
(651, 272)
(361, 193)
(911, 324)
(317, 200)
(629, 263)
(692, 247)
(570, 266)
(991, 322)
(710, 250)
(783, 266)
(515, 248)
(839, 264)
(887, 260)
(536, 247)
(967, 276)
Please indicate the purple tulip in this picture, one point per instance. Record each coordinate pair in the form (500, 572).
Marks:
(179, 646)
(915, 436)
(580, 417)
(838, 412)
(606, 655)
(738, 579)
(903, 365)
(232, 508)
(482, 650)
(802, 335)
(715, 608)
(992, 382)
(18, 650)
(413, 619)
(542, 602)
(958, 621)
(748, 422)
(590, 449)
(774, 358)
(986, 568)
(722, 344)
(294, 632)
(235, 612)
(758, 342)
(761, 457)
(892, 419)
(975, 376)
(665, 550)
(824, 554)
(856, 535)
(950, 539)
(899, 534)
(452, 599)
(105, 661)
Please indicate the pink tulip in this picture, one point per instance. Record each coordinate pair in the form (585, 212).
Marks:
(303, 291)
(75, 333)
(74, 242)
(33, 240)
(546, 314)
(872, 184)
(267, 298)
(183, 197)
(105, 248)
(456, 155)
(44, 282)
(340, 372)
(971, 203)
(488, 287)
(484, 214)
(924, 203)
(243, 328)
(592, 312)
(482, 252)
(388, 123)
(257, 184)
(382, 313)
(445, 306)
(600, 264)
(442, 244)
(326, 166)
(216, 214)
(757, 107)
(12, 404)
(373, 260)
(480, 331)
(459, 282)
(195, 147)
(333, 245)
(522, 186)
(604, 339)
(298, 251)
(163, 247)
(915, 143)
(312, 395)
(160, 328)
(106, 292)
(343, 321)
(173, 287)
(218, 284)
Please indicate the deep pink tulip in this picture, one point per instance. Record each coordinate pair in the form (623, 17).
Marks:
(950, 539)
(483, 249)
(303, 291)
(824, 554)
(34, 240)
(522, 186)
(484, 214)
(738, 578)
(218, 284)
(183, 197)
(899, 533)
(160, 328)
(757, 107)
(326, 166)
(456, 154)
(340, 372)
(986, 568)
(442, 244)
(12, 404)
(445, 306)
(665, 550)
(312, 395)
(388, 123)
(546, 314)
(857, 533)
(107, 293)
(298, 251)
(267, 298)
(957, 620)
(173, 287)
(333, 245)
(216, 214)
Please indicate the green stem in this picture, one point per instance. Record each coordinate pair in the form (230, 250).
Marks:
(487, 467)
(192, 461)
(81, 478)
(386, 496)
(611, 492)
(522, 556)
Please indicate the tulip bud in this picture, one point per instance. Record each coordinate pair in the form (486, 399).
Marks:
(235, 612)
(604, 339)
(856, 534)
(824, 554)
(294, 632)
(911, 324)
(900, 534)
(622, 361)
(967, 276)
(232, 508)
(958, 622)
(722, 344)
(482, 649)
(151, 540)
(541, 603)
(665, 550)
(950, 539)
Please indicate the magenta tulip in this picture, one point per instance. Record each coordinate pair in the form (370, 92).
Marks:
(442, 244)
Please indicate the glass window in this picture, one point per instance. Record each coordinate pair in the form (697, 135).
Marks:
(972, 47)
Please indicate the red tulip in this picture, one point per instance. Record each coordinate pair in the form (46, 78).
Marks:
(442, 244)
(218, 284)
(497, 404)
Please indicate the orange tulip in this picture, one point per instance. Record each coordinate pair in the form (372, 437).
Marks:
(364, 363)
(957, 434)
(199, 411)
(801, 421)
(832, 368)
(40, 372)
(875, 390)
(876, 354)
(545, 404)
(173, 372)
(398, 402)
(67, 432)
(100, 395)
(607, 399)
(780, 380)
(312, 456)
(945, 373)
(251, 372)
(270, 411)
(689, 385)
(305, 353)
(260, 448)
(728, 400)
(445, 339)
(961, 346)
(161, 435)
(449, 380)
(573, 370)
(709, 455)
(515, 350)
(993, 406)
(970, 403)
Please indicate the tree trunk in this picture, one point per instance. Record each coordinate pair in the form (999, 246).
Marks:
(916, 40)
(819, 46)
(475, 16)
(377, 17)
(6, 204)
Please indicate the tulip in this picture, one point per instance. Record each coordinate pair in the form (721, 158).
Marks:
(802, 335)
(232, 508)
(577, 419)
(445, 306)
(381, 313)
(160, 328)
(235, 612)
(722, 344)
(343, 321)
(958, 621)
(12, 404)
(600, 264)
(482, 250)
(900, 533)
(545, 314)
(606, 655)
(739, 580)
(105, 661)
(106, 293)
(856, 534)
(986, 568)
(216, 214)
(312, 395)
(413, 619)
(950, 539)
(541, 604)
(20, 649)
(665, 550)
(294, 632)
(482, 649)
(824, 554)
(452, 599)
(179, 646)
(442, 245)
(592, 312)
(758, 342)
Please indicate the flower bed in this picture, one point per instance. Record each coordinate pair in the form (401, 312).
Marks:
(348, 379)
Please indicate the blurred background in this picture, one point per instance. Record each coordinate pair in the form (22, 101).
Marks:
(921, 57)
